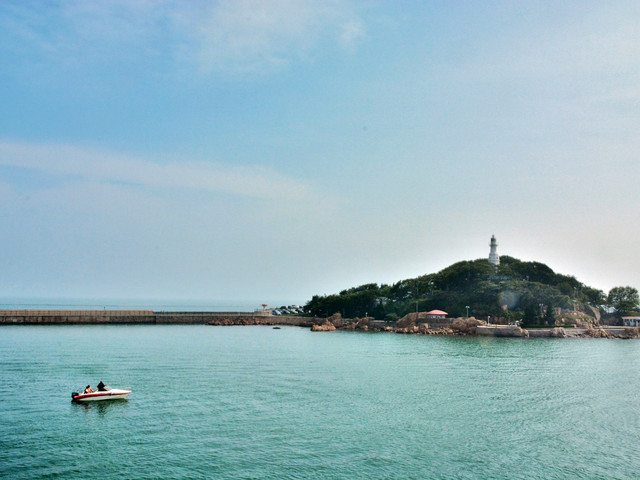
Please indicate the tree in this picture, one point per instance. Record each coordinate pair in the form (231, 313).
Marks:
(391, 317)
(549, 317)
(515, 284)
(594, 296)
(624, 299)
(529, 318)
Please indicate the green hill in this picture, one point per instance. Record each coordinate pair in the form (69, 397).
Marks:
(514, 290)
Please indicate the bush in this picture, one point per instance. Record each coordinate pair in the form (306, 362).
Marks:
(391, 317)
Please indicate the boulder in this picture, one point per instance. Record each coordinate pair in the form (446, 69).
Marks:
(594, 312)
(466, 326)
(632, 332)
(325, 327)
(597, 333)
(411, 319)
(335, 320)
(441, 331)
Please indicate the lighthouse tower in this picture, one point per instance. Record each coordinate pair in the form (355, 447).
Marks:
(493, 254)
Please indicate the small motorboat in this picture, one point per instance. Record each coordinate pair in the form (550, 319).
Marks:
(100, 395)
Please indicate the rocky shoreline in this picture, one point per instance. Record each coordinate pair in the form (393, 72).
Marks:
(296, 321)
(411, 324)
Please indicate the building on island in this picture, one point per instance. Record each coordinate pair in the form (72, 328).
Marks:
(493, 253)
(436, 315)
(631, 321)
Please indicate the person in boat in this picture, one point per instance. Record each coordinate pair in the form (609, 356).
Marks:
(88, 389)
(102, 387)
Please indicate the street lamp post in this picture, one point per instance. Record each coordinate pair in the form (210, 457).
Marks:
(467, 307)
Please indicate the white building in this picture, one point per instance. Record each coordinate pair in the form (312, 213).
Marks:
(493, 253)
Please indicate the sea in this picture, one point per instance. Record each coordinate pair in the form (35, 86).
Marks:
(256, 402)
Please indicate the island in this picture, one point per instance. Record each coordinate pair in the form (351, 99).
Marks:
(498, 296)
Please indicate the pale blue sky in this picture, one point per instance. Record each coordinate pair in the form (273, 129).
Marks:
(267, 151)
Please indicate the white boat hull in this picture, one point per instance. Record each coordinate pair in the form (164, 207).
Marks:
(113, 394)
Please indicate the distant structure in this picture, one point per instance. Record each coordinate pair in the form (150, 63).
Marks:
(436, 315)
(493, 254)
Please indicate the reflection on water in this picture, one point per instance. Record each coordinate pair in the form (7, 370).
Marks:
(100, 407)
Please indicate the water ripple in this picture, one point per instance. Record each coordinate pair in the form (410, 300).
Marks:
(258, 403)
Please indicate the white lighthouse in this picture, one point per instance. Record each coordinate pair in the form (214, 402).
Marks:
(493, 254)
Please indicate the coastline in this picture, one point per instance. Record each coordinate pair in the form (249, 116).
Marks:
(452, 326)
(473, 327)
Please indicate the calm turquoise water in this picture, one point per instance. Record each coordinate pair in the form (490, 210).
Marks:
(259, 403)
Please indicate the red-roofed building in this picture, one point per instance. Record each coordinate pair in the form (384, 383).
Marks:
(436, 315)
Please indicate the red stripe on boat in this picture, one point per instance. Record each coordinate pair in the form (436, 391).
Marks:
(100, 394)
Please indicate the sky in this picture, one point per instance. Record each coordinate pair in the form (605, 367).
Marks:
(268, 151)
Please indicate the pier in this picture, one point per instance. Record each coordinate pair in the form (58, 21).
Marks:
(145, 317)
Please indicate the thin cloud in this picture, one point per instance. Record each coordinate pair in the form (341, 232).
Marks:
(225, 36)
(70, 161)
(597, 44)
(352, 33)
(252, 35)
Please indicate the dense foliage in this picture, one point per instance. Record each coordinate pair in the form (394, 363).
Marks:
(623, 300)
(512, 290)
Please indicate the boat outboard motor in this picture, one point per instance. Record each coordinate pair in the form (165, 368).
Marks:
(74, 394)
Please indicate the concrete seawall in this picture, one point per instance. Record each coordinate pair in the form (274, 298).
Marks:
(499, 331)
(35, 317)
(142, 317)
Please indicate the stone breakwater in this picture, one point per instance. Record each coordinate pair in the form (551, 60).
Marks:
(59, 317)
(145, 317)
(295, 321)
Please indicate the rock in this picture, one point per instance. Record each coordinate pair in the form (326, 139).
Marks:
(325, 327)
(364, 323)
(411, 319)
(558, 332)
(440, 331)
(595, 313)
(632, 332)
(466, 326)
(412, 329)
(597, 333)
(335, 320)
